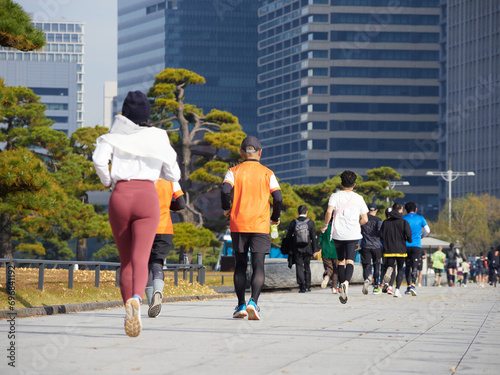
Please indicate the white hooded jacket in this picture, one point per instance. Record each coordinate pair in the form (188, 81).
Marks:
(136, 153)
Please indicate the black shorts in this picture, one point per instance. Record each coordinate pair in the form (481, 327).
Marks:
(255, 242)
(162, 245)
(438, 272)
(346, 249)
(451, 265)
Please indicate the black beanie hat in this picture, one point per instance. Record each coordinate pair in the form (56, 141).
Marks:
(136, 107)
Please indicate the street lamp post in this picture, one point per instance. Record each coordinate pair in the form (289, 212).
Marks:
(392, 184)
(449, 176)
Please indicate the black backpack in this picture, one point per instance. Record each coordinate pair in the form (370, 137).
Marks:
(301, 233)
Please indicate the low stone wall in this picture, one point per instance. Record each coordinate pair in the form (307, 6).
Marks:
(278, 275)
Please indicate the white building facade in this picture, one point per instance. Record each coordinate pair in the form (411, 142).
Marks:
(56, 73)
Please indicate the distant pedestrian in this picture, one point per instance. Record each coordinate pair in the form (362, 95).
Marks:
(465, 271)
(330, 260)
(371, 250)
(481, 270)
(250, 218)
(302, 235)
(438, 259)
(139, 155)
(395, 233)
(419, 229)
(493, 264)
(171, 199)
(451, 264)
(350, 213)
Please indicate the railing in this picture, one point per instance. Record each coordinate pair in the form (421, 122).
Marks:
(185, 268)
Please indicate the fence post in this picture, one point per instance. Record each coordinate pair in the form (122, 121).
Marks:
(41, 274)
(117, 276)
(201, 275)
(184, 272)
(97, 275)
(191, 274)
(70, 276)
(176, 276)
(200, 263)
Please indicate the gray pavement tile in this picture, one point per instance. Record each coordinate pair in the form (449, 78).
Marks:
(441, 329)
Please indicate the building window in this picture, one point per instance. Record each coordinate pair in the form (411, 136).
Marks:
(318, 90)
(49, 91)
(384, 19)
(317, 18)
(384, 72)
(412, 108)
(318, 163)
(318, 144)
(58, 119)
(56, 106)
(384, 37)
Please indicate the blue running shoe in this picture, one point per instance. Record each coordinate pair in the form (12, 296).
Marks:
(413, 291)
(253, 310)
(407, 291)
(240, 312)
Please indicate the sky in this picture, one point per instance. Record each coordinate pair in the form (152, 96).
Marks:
(100, 43)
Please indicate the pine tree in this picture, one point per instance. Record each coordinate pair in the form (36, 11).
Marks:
(206, 145)
(16, 30)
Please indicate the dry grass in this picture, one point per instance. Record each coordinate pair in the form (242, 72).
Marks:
(56, 289)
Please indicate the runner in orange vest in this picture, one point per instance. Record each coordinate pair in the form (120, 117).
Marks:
(163, 242)
(251, 183)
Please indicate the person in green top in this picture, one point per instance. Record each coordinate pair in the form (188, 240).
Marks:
(330, 260)
(438, 259)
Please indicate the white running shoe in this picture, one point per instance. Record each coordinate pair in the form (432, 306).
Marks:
(325, 281)
(397, 293)
(133, 324)
(343, 292)
(155, 306)
(366, 284)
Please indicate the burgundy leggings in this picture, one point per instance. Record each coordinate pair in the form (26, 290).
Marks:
(134, 214)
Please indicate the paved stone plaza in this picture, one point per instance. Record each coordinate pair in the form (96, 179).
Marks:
(442, 331)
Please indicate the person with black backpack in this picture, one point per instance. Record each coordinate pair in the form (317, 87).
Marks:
(302, 235)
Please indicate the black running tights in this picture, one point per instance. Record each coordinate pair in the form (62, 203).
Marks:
(240, 275)
(393, 262)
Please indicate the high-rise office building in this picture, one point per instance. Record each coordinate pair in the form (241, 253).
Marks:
(54, 73)
(350, 84)
(470, 96)
(110, 102)
(215, 39)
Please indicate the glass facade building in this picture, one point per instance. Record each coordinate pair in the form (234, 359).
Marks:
(350, 84)
(470, 96)
(215, 39)
(55, 73)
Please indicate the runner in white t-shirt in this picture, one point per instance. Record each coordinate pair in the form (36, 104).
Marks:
(346, 231)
